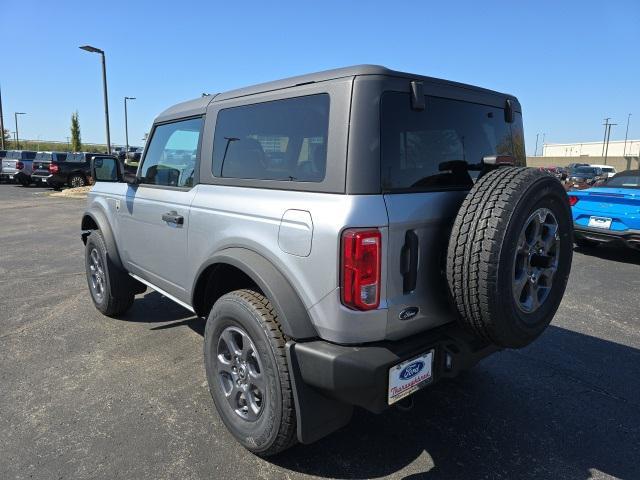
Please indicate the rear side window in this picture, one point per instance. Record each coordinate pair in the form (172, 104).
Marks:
(431, 149)
(171, 159)
(279, 140)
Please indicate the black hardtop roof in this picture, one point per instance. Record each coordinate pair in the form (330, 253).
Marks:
(197, 106)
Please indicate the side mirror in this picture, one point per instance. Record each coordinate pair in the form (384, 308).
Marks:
(106, 169)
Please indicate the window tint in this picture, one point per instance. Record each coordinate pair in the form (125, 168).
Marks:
(431, 149)
(279, 140)
(172, 154)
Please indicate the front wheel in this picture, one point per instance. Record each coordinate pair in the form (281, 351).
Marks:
(247, 372)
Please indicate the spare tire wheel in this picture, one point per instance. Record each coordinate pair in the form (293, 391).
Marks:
(509, 255)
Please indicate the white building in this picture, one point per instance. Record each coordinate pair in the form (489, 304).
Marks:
(591, 149)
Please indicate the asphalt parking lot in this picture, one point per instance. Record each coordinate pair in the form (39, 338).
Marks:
(86, 396)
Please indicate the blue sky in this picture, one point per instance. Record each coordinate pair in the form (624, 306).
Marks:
(571, 63)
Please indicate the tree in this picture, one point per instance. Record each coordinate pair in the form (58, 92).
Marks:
(7, 138)
(76, 143)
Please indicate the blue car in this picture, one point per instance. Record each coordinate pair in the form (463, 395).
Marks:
(608, 213)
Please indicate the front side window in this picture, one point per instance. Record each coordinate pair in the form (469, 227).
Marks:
(432, 149)
(172, 155)
(278, 140)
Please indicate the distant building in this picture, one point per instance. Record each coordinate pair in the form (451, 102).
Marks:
(591, 149)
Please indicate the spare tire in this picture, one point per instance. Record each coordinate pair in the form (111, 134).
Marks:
(509, 255)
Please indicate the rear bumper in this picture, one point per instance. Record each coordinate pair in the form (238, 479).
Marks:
(330, 379)
(41, 177)
(628, 238)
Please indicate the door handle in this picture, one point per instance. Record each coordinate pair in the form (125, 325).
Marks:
(409, 262)
(173, 217)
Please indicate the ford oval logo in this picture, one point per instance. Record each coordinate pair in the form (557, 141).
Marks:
(408, 313)
(411, 370)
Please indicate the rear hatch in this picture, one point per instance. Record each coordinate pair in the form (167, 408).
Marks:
(10, 163)
(41, 164)
(425, 155)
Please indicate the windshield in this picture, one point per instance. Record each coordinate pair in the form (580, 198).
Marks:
(608, 169)
(623, 181)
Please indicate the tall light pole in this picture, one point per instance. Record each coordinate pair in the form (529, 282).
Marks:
(626, 135)
(535, 153)
(543, 135)
(15, 115)
(606, 128)
(91, 49)
(1, 124)
(126, 127)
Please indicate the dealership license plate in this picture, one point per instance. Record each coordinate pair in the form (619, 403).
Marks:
(409, 377)
(599, 222)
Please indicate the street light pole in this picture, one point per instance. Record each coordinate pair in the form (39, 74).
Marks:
(535, 153)
(126, 127)
(606, 127)
(606, 152)
(15, 115)
(1, 124)
(626, 135)
(89, 48)
(543, 135)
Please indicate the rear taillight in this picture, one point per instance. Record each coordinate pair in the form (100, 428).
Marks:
(19, 165)
(573, 200)
(361, 253)
(53, 168)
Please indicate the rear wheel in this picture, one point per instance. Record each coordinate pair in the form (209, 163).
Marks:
(77, 180)
(247, 372)
(510, 254)
(109, 286)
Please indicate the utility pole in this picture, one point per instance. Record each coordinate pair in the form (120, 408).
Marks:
(126, 128)
(606, 152)
(535, 154)
(626, 135)
(543, 135)
(1, 124)
(606, 128)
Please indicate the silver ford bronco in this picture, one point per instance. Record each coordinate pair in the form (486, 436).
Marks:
(351, 236)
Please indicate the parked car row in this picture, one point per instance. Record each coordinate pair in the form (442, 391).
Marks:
(53, 169)
(578, 176)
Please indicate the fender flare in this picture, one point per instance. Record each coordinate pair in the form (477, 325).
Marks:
(292, 314)
(100, 219)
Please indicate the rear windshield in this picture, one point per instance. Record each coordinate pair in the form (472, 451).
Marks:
(588, 170)
(431, 149)
(608, 169)
(623, 181)
(43, 157)
(76, 157)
